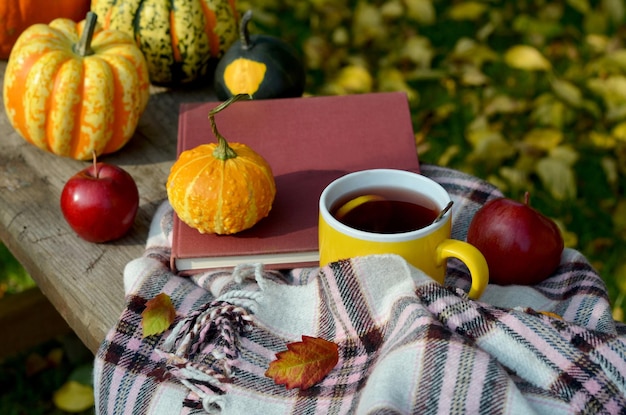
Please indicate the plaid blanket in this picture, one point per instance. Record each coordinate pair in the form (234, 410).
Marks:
(406, 343)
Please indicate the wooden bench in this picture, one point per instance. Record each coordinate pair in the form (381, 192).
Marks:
(83, 280)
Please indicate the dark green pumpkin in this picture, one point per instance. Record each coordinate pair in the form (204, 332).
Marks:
(259, 65)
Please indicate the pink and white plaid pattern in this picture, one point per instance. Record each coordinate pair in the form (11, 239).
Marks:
(407, 345)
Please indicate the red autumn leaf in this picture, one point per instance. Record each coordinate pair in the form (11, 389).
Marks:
(304, 363)
(158, 315)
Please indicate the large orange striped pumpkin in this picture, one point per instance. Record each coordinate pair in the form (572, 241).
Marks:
(177, 37)
(71, 102)
(18, 15)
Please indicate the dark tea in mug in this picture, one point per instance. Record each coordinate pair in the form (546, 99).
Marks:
(390, 211)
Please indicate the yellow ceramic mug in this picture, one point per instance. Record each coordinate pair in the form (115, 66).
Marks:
(426, 248)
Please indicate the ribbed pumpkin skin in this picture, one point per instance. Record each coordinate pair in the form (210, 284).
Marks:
(18, 15)
(71, 105)
(221, 196)
(177, 37)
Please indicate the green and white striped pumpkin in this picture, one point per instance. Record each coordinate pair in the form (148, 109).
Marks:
(177, 37)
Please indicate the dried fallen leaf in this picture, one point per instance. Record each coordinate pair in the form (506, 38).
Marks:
(304, 363)
(158, 315)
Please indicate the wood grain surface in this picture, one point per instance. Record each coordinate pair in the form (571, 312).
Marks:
(84, 281)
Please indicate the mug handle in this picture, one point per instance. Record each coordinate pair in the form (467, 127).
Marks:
(473, 259)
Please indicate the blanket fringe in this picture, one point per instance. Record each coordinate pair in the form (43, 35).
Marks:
(213, 330)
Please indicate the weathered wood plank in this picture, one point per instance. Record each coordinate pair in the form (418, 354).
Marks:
(84, 280)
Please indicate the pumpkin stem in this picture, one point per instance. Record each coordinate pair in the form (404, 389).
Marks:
(83, 47)
(244, 34)
(223, 151)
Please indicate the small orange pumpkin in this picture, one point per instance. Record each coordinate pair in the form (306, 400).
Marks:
(74, 89)
(219, 187)
(18, 15)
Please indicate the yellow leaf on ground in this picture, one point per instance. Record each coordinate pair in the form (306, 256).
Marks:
(467, 10)
(74, 397)
(558, 177)
(543, 138)
(548, 110)
(568, 92)
(418, 50)
(422, 11)
(367, 24)
(619, 131)
(515, 178)
(469, 50)
(617, 57)
(503, 104)
(391, 79)
(354, 79)
(527, 58)
(566, 153)
(602, 140)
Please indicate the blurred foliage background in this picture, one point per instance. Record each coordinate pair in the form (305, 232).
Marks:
(529, 95)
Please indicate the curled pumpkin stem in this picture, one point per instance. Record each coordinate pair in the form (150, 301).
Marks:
(244, 34)
(223, 151)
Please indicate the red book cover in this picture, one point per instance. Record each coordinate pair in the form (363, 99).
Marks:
(308, 142)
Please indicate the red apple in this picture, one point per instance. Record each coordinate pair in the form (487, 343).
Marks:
(521, 245)
(100, 202)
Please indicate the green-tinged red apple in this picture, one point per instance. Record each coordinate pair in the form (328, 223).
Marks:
(520, 244)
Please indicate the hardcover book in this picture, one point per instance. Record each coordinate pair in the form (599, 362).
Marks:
(308, 142)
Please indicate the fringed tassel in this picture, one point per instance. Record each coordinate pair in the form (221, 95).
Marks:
(214, 328)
